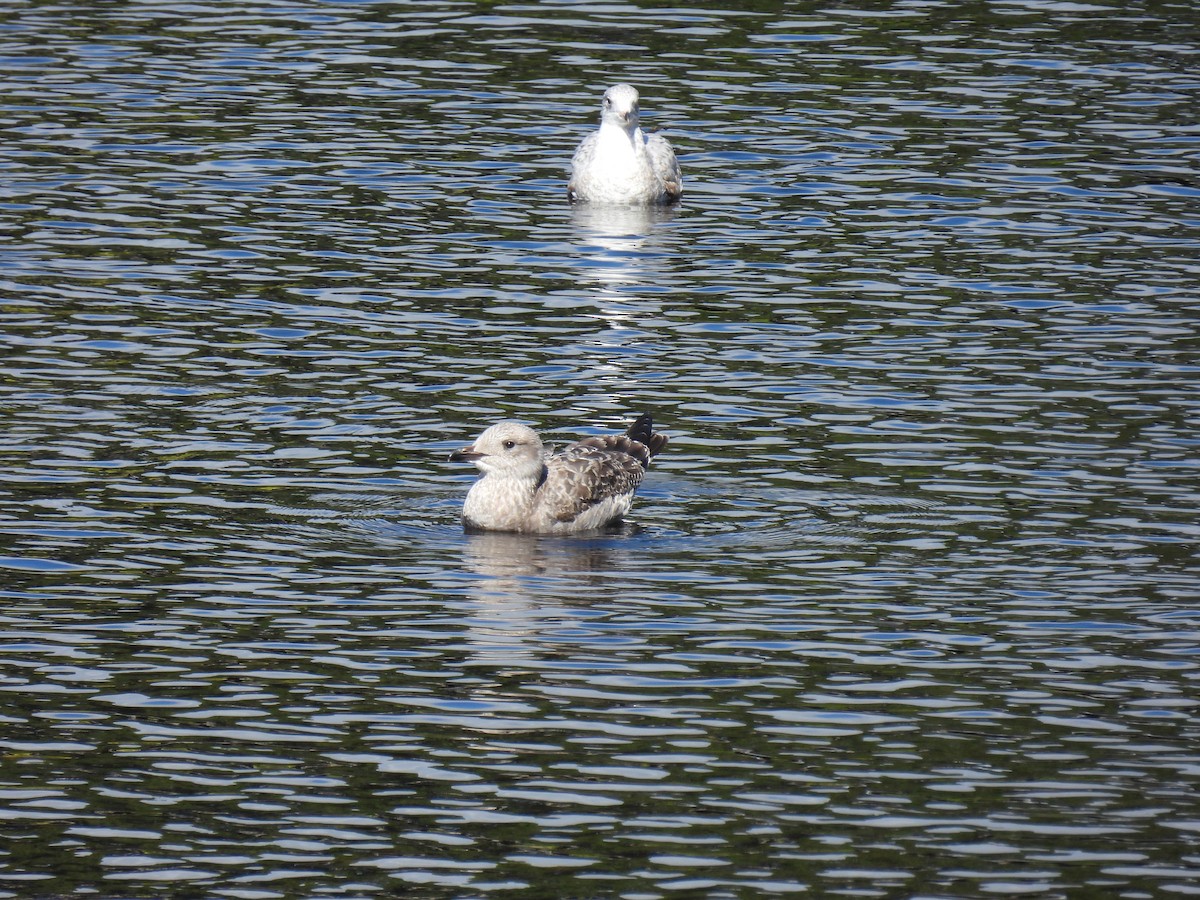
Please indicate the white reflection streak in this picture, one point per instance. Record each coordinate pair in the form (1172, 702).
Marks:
(510, 618)
(506, 614)
(614, 239)
(619, 246)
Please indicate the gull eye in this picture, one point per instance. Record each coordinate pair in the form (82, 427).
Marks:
(508, 445)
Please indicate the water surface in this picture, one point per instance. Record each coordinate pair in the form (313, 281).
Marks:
(908, 608)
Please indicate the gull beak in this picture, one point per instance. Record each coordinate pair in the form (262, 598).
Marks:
(466, 454)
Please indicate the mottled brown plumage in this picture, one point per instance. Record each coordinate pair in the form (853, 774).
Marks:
(524, 488)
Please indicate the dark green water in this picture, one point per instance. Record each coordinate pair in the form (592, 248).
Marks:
(908, 609)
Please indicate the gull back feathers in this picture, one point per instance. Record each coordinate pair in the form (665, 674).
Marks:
(588, 485)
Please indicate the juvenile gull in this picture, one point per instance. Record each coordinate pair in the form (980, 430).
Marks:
(526, 488)
(618, 163)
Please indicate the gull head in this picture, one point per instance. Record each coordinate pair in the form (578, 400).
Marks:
(620, 106)
(508, 448)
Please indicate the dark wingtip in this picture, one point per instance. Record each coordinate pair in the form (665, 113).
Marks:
(642, 431)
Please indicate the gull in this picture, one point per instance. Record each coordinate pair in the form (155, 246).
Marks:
(618, 163)
(526, 488)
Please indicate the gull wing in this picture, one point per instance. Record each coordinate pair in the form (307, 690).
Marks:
(666, 166)
(600, 473)
(583, 154)
(587, 476)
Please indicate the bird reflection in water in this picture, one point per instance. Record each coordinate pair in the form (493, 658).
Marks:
(529, 586)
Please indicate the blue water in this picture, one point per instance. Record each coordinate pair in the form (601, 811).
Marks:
(908, 608)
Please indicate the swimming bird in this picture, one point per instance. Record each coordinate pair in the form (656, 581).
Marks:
(526, 488)
(620, 164)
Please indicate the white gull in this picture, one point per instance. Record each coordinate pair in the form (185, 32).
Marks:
(526, 488)
(618, 163)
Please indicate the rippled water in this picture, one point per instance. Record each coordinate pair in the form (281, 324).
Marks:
(908, 608)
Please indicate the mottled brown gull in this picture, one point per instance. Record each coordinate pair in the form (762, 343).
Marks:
(526, 488)
(618, 163)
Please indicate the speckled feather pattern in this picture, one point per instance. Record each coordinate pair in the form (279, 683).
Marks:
(587, 485)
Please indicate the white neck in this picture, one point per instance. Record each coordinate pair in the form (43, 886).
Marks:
(620, 150)
(500, 503)
(613, 131)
